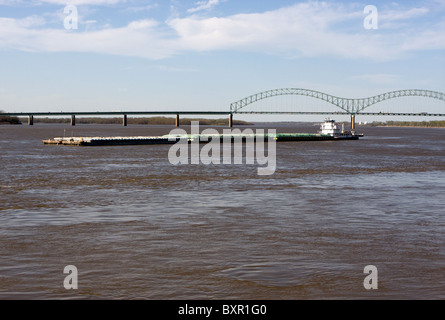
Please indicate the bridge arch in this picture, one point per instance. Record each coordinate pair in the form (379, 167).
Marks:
(351, 106)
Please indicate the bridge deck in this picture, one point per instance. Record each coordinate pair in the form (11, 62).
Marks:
(111, 113)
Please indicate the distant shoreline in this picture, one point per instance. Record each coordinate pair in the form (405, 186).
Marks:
(407, 124)
(215, 122)
(9, 121)
(428, 127)
(139, 121)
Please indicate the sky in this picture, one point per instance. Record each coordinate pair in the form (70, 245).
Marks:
(130, 55)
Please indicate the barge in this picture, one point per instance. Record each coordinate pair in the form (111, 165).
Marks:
(329, 130)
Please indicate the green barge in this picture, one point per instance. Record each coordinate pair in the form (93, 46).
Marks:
(329, 131)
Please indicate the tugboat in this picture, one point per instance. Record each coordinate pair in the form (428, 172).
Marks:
(329, 127)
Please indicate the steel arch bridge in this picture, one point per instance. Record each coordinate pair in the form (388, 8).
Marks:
(349, 106)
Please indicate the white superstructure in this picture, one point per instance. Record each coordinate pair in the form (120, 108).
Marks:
(329, 127)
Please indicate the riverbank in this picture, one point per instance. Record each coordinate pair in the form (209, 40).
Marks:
(408, 124)
(9, 120)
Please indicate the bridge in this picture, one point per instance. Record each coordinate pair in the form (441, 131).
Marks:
(124, 115)
(345, 106)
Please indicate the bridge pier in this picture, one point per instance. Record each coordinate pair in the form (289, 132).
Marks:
(73, 120)
(31, 120)
(352, 121)
(177, 121)
(230, 120)
(124, 120)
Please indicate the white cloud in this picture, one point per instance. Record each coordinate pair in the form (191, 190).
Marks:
(306, 29)
(82, 2)
(204, 5)
(392, 15)
(61, 2)
(138, 38)
(400, 18)
(311, 29)
(142, 8)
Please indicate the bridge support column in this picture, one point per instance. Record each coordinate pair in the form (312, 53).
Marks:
(230, 120)
(124, 120)
(31, 120)
(177, 121)
(73, 120)
(352, 121)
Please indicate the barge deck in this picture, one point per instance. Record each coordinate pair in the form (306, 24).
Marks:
(152, 140)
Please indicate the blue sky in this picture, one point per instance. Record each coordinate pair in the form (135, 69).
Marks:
(203, 55)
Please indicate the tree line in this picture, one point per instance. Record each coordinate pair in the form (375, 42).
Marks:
(9, 120)
(140, 121)
(424, 124)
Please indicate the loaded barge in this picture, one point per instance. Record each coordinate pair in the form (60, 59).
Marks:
(329, 130)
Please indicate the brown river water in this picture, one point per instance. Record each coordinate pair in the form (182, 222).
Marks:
(137, 227)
